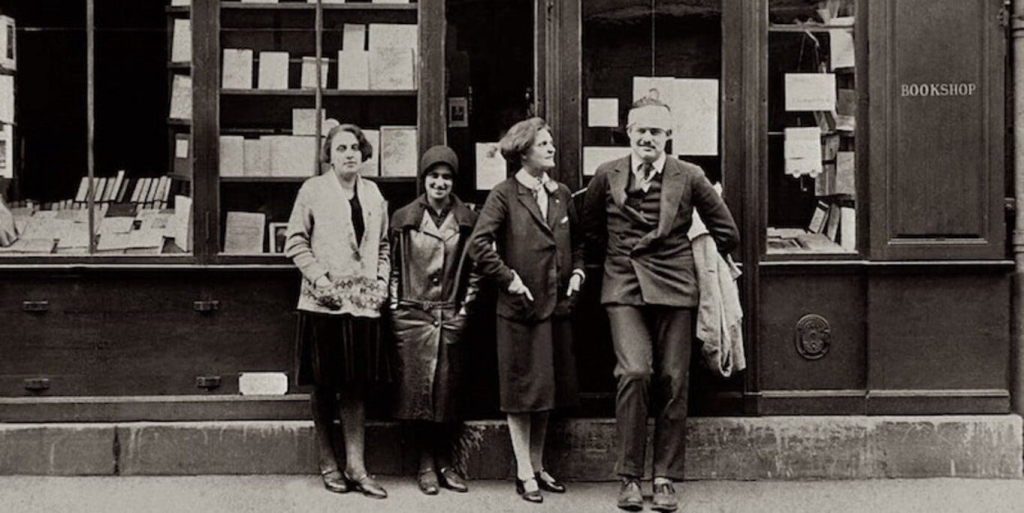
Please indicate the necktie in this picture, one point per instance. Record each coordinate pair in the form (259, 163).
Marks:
(646, 169)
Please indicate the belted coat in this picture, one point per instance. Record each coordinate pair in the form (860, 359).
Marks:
(432, 281)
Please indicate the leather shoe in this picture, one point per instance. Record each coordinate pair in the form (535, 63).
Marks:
(531, 496)
(333, 480)
(427, 481)
(548, 483)
(630, 498)
(452, 480)
(367, 486)
(664, 498)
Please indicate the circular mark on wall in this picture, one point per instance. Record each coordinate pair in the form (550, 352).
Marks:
(813, 336)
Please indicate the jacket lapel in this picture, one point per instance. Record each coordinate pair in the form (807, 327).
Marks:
(618, 180)
(428, 227)
(526, 198)
(556, 209)
(672, 185)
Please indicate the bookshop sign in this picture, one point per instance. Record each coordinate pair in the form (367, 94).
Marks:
(938, 89)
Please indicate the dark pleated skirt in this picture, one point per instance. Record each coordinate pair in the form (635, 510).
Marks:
(340, 351)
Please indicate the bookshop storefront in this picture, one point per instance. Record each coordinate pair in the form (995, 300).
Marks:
(150, 152)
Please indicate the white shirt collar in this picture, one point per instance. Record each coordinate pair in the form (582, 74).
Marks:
(530, 182)
(635, 163)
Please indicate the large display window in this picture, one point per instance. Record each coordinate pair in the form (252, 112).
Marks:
(95, 102)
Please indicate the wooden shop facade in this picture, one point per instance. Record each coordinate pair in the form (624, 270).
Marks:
(150, 147)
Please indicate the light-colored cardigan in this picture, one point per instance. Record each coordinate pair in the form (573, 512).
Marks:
(719, 313)
(321, 240)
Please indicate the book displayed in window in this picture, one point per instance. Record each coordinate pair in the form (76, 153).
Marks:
(244, 232)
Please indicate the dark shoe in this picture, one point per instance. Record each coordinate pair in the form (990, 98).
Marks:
(532, 496)
(333, 480)
(548, 483)
(664, 498)
(427, 481)
(630, 498)
(452, 480)
(367, 486)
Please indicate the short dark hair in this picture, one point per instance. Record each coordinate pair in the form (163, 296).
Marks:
(364, 145)
(519, 139)
(649, 102)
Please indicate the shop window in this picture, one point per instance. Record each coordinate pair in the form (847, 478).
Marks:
(812, 107)
(274, 112)
(67, 114)
(666, 49)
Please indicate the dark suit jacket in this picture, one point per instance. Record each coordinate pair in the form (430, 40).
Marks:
(658, 268)
(512, 234)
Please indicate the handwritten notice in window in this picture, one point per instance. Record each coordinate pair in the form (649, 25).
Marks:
(803, 151)
(810, 92)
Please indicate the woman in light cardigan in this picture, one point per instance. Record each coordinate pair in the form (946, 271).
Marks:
(337, 236)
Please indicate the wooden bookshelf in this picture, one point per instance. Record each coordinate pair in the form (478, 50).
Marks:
(297, 6)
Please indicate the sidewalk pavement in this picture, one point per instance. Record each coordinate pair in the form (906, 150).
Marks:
(26, 494)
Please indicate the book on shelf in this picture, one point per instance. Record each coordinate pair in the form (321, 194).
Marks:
(259, 1)
(244, 232)
(397, 35)
(825, 183)
(183, 155)
(232, 156)
(182, 226)
(181, 41)
(181, 3)
(371, 167)
(390, 1)
(304, 121)
(293, 155)
(140, 184)
(353, 70)
(256, 157)
(237, 68)
(848, 228)
(112, 190)
(181, 97)
(832, 225)
(151, 192)
(273, 71)
(8, 43)
(6, 99)
(846, 110)
(398, 151)
(308, 79)
(846, 173)
(97, 193)
(7, 151)
(83, 190)
(392, 68)
(353, 36)
(817, 224)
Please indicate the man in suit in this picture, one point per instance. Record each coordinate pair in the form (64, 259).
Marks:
(637, 211)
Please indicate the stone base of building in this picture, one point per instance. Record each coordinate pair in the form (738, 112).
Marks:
(832, 447)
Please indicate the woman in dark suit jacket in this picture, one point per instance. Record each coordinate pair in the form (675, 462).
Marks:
(526, 241)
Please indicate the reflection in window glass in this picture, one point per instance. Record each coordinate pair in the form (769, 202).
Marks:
(665, 49)
(812, 104)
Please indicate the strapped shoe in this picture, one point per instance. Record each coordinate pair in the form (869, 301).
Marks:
(529, 496)
(367, 486)
(451, 480)
(630, 498)
(548, 483)
(333, 480)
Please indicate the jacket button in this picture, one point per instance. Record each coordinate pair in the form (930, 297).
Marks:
(437, 323)
(435, 280)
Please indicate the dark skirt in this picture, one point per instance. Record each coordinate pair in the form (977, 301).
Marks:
(536, 365)
(340, 351)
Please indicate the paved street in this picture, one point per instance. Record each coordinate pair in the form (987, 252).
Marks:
(304, 494)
